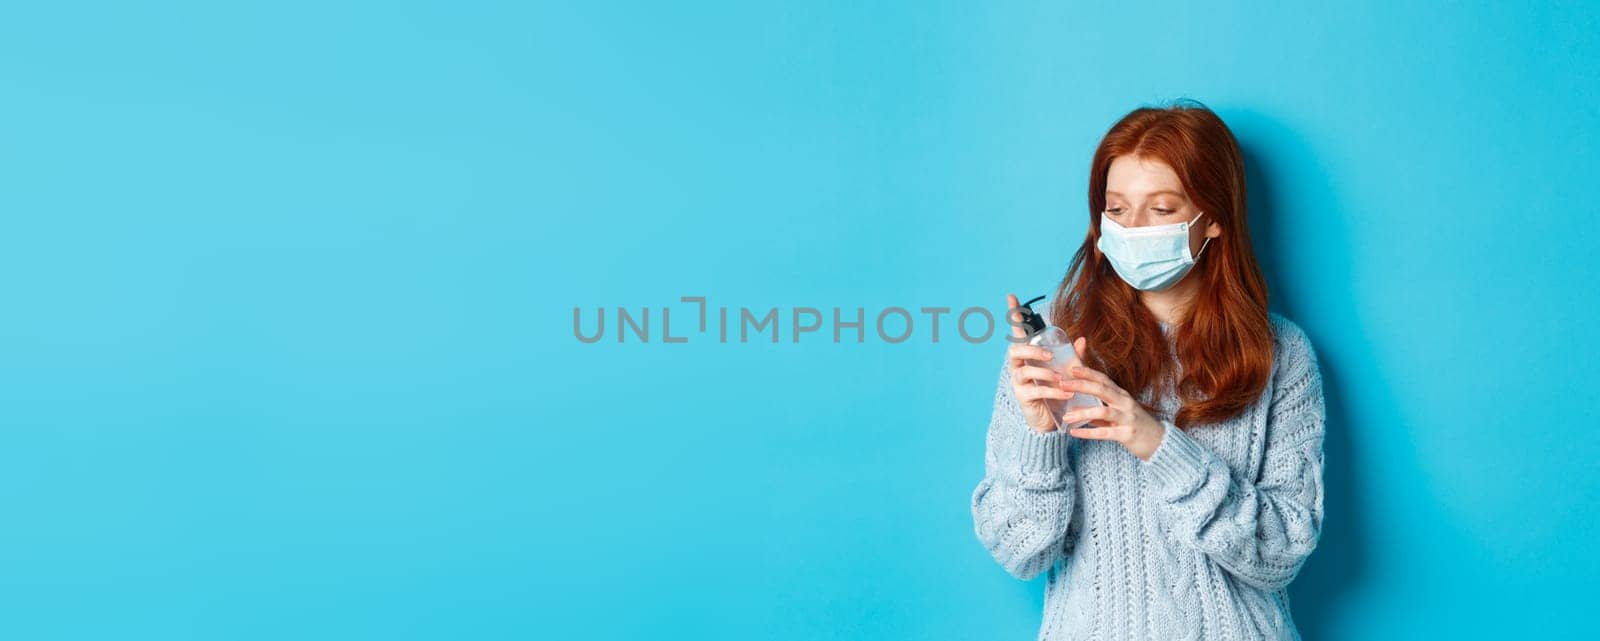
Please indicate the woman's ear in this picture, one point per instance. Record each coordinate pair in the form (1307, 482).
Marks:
(1213, 230)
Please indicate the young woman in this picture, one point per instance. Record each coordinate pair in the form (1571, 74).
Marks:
(1194, 495)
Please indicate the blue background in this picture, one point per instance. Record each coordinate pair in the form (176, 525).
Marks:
(287, 345)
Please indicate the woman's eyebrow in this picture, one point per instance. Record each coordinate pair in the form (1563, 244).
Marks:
(1160, 191)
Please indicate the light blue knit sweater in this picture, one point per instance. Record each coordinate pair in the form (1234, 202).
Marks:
(1198, 542)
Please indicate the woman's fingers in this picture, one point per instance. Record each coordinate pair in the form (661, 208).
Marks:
(1093, 388)
(1097, 433)
(1109, 423)
(1086, 372)
(1011, 307)
(1040, 375)
(1039, 392)
(1098, 384)
(1018, 353)
(1105, 414)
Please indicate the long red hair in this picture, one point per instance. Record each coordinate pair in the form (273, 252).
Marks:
(1224, 342)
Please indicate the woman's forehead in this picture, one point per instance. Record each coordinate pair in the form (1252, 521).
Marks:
(1131, 176)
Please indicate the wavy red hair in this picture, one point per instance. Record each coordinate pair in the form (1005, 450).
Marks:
(1224, 341)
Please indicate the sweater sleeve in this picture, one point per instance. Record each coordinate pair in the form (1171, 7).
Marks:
(1023, 505)
(1259, 532)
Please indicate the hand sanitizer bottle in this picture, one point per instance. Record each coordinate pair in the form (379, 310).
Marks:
(1063, 357)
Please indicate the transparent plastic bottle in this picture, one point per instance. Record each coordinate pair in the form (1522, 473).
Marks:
(1063, 358)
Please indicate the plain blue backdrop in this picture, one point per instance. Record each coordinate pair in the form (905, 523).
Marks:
(287, 345)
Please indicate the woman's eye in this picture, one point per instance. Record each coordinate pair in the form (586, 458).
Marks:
(1165, 211)
(1114, 211)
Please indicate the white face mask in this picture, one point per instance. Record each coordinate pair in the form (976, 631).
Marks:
(1150, 258)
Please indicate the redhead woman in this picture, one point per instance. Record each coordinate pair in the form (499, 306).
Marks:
(1191, 494)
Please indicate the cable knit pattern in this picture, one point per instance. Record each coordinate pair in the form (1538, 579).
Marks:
(1199, 542)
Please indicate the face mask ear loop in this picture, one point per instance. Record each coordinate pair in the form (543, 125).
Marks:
(1202, 248)
(1203, 244)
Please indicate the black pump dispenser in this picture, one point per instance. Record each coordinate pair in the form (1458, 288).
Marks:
(1031, 319)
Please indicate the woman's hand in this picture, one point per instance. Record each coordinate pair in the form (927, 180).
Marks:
(1122, 419)
(1035, 387)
